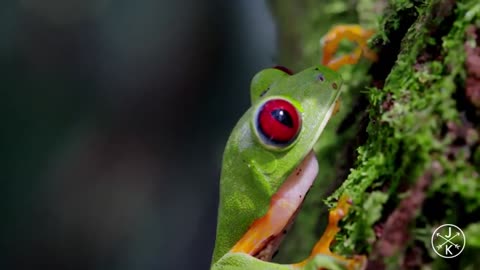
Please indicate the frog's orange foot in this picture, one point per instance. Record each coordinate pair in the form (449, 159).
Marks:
(332, 39)
(322, 250)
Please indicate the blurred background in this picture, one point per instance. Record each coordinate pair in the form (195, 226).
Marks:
(114, 118)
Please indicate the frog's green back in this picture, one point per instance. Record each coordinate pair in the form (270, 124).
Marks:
(251, 173)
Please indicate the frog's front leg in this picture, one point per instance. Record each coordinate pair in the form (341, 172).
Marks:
(332, 39)
(321, 257)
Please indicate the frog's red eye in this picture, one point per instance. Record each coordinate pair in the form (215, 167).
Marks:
(278, 122)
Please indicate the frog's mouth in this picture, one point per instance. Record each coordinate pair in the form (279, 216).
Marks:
(266, 233)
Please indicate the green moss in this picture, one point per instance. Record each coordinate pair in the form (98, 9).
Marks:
(391, 19)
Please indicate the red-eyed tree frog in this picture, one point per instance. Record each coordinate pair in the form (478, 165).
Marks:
(268, 163)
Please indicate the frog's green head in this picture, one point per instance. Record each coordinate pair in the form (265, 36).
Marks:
(291, 110)
(271, 139)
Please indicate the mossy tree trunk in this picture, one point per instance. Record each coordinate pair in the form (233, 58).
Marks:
(406, 144)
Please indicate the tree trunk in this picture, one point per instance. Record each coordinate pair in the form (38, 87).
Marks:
(405, 145)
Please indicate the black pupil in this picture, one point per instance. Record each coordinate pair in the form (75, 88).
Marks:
(283, 117)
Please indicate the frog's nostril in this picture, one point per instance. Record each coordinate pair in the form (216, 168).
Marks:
(320, 77)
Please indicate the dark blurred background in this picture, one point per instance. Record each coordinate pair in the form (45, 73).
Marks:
(114, 115)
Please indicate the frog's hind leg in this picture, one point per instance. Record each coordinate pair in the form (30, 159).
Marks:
(332, 39)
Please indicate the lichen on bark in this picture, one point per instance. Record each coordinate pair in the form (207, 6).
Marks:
(406, 144)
